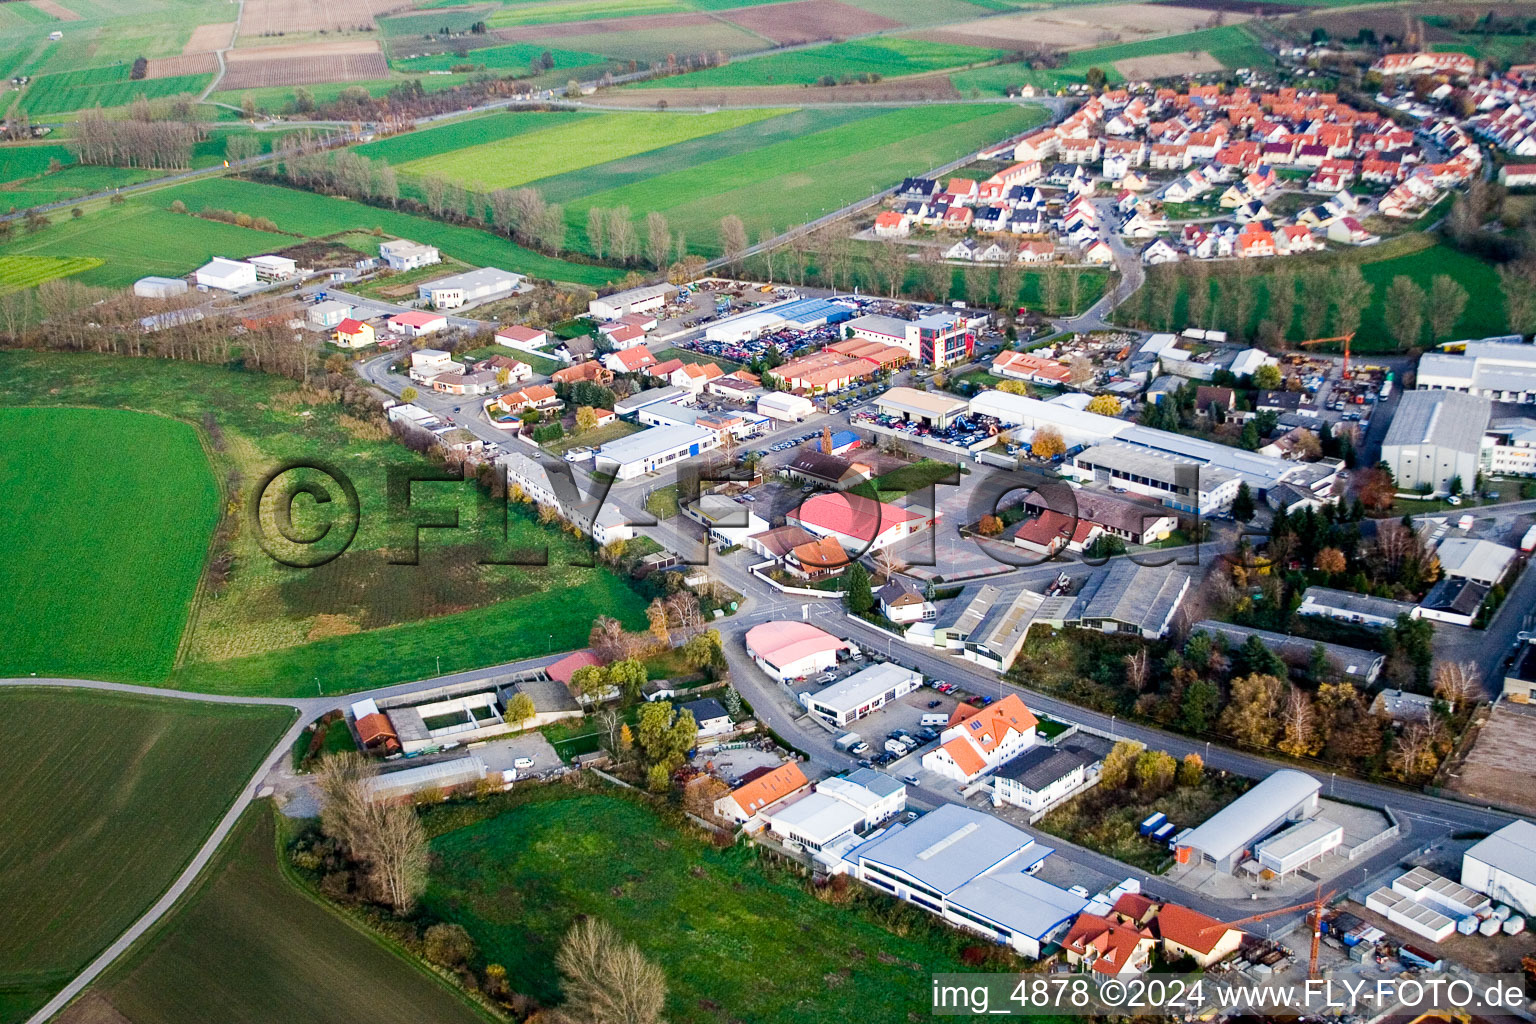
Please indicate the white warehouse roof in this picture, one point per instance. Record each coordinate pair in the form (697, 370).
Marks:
(1237, 824)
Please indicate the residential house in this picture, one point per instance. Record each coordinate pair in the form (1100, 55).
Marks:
(352, 333)
(759, 790)
(519, 336)
(1043, 776)
(903, 601)
(1108, 947)
(710, 716)
(629, 360)
(978, 740)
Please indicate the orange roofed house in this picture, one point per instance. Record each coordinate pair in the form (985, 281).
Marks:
(1108, 947)
(1181, 931)
(977, 740)
(760, 789)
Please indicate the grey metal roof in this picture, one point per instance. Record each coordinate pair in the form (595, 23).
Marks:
(1154, 465)
(1140, 595)
(1445, 419)
(945, 848)
(1237, 824)
(965, 611)
(1358, 604)
(1022, 903)
(1512, 849)
(484, 277)
(1296, 649)
(1475, 559)
(877, 783)
(1463, 597)
(1038, 767)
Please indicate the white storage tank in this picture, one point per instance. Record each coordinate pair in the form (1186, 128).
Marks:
(1467, 926)
(1500, 913)
(1488, 927)
(1514, 926)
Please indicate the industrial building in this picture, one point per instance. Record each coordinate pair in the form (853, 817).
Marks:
(930, 408)
(1294, 848)
(634, 300)
(1140, 599)
(972, 870)
(1502, 370)
(793, 314)
(1226, 837)
(792, 650)
(650, 450)
(274, 268)
(225, 275)
(159, 287)
(867, 690)
(328, 314)
(1347, 606)
(1076, 426)
(1471, 558)
(785, 407)
(1435, 440)
(403, 254)
(1176, 482)
(1504, 866)
(437, 776)
(1353, 664)
(469, 287)
(937, 339)
(1042, 777)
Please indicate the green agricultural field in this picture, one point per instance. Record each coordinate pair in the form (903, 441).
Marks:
(18, 272)
(884, 56)
(101, 581)
(73, 182)
(311, 215)
(927, 12)
(104, 87)
(359, 620)
(511, 57)
(249, 947)
(735, 943)
(570, 147)
(140, 237)
(27, 160)
(426, 143)
(555, 11)
(279, 98)
(794, 180)
(108, 799)
(107, 33)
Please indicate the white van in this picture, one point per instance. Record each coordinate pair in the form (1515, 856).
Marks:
(935, 720)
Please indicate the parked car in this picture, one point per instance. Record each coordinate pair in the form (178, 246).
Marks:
(934, 703)
(523, 763)
(909, 779)
(895, 746)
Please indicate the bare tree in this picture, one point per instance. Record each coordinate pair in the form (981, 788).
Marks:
(607, 980)
(1458, 683)
(623, 245)
(1136, 669)
(658, 239)
(597, 229)
(386, 837)
(733, 240)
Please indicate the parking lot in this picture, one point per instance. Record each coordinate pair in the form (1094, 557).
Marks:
(501, 755)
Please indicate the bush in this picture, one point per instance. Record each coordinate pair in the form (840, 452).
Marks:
(548, 432)
(448, 945)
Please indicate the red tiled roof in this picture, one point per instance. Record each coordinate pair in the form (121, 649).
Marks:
(517, 332)
(851, 515)
(1190, 928)
(768, 785)
(562, 670)
(350, 326)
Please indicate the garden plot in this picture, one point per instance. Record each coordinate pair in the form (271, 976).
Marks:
(1075, 28)
(804, 21)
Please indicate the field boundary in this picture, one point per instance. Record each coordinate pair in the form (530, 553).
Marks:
(195, 606)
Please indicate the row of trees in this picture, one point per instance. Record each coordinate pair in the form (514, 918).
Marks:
(138, 140)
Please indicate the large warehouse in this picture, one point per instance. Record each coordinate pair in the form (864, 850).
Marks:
(791, 650)
(927, 407)
(866, 690)
(1503, 866)
(1435, 438)
(650, 450)
(636, 300)
(1225, 838)
(1504, 371)
(795, 315)
(471, 286)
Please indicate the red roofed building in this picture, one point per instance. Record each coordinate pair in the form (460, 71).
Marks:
(1108, 947)
(517, 334)
(562, 670)
(977, 740)
(631, 360)
(414, 324)
(786, 649)
(759, 789)
(1024, 366)
(1051, 531)
(859, 524)
(890, 224)
(1185, 932)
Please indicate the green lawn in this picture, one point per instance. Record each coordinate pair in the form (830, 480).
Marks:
(18, 272)
(506, 163)
(26, 160)
(554, 11)
(108, 798)
(71, 182)
(101, 86)
(913, 479)
(735, 943)
(592, 438)
(313, 215)
(249, 947)
(697, 358)
(358, 621)
(884, 56)
(100, 579)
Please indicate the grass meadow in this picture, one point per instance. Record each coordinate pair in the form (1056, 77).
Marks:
(17, 272)
(108, 798)
(736, 943)
(250, 947)
(110, 514)
(508, 58)
(358, 621)
(102, 86)
(1416, 257)
(884, 56)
